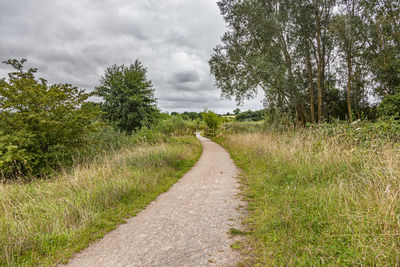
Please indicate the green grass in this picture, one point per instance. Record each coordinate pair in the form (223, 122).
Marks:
(46, 221)
(317, 200)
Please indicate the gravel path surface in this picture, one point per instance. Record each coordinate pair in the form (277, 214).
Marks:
(186, 226)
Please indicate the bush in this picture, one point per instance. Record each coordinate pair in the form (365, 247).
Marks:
(176, 125)
(362, 133)
(212, 120)
(41, 125)
(390, 106)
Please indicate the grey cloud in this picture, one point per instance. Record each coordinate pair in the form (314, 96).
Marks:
(185, 77)
(74, 41)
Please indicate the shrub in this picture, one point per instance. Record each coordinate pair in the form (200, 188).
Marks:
(176, 125)
(41, 125)
(212, 120)
(390, 106)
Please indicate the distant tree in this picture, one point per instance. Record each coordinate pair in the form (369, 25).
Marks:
(164, 116)
(249, 115)
(174, 113)
(129, 101)
(40, 124)
(236, 111)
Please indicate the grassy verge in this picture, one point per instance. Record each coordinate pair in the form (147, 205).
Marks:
(46, 221)
(317, 200)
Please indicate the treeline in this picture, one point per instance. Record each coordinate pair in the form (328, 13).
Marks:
(46, 127)
(315, 60)
(249, 115)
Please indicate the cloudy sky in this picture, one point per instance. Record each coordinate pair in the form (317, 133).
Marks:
(74, 41)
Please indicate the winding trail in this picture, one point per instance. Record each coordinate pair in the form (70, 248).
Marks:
(186, 226)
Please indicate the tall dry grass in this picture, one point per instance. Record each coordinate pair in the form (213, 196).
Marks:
(45, 221)
(318, 200)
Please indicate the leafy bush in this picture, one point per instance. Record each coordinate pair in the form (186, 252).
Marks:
(212, 120)
(41, 125)
(390, 106)
(362, 133)
(177, 125)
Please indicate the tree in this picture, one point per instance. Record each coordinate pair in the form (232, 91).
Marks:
(348, 30)
(249, 115)
(382, 56)
(129, 101)
(309, 56)
(236, 111)
(41, 125)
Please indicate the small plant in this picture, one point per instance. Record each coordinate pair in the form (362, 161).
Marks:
(235, 231)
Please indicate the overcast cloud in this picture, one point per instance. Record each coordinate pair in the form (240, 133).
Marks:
(74, 41)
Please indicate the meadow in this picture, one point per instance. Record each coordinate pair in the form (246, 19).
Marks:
(323, 195)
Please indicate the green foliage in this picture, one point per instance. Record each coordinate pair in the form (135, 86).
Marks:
(383, 37)
(191, 115)
(176, 125)
(390, 106)
(309, 57)
(212, 120)
(249, 115)
(41, 125)
(129, 101)
(361, 133)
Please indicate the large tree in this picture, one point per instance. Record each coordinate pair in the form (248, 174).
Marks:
(129, 101)
(267, 45)
(315, 60)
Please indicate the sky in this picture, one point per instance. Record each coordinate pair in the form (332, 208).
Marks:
(74, 41)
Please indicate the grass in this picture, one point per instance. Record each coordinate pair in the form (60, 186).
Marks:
(317, 200)
(44, 222)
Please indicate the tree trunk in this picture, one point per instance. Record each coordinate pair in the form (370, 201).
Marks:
(319, 67)
(349, 70)
(310, 80)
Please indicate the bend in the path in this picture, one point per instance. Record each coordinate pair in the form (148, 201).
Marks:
(186, 226)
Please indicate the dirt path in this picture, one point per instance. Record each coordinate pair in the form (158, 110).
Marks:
(186, 226)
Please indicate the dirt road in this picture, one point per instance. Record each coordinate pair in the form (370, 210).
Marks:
(186, 226)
